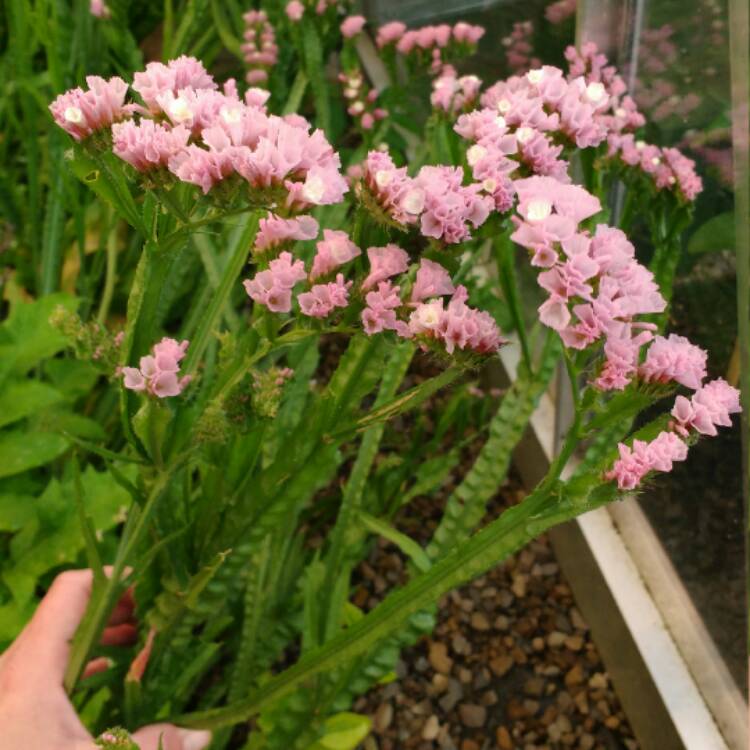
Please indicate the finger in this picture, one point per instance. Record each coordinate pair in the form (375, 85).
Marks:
(95, 666)
(172, 738)
(119, 635)
(124, 610)
(44, 645)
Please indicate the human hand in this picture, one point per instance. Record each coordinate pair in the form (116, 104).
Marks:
(35, 713)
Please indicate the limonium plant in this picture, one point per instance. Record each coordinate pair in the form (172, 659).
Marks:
(250, 423)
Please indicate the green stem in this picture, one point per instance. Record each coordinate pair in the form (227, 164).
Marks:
(238, 252)
(504, 254)
(296, 93)
(110, 277)
(103, 601)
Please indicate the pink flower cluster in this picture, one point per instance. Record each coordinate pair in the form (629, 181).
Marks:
(259, 48)
(596, 286)
(518, 47)
(351, 26)
(157, 373)
(667, 167)
(100, 9)
(273, 287)
(436, 197)
(674, 359)
(81, 113)
(295, 9)
(361, 101)
(452, 93)
(428, 44)
(274, 231)
(424, 316)
(711, 406)
(332, 251)
(227, 136)
(560, 11)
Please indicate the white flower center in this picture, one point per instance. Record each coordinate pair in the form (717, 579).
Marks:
(489, 185)
(73, 114)
(500, 122)
(620, 112)
(383, 178)
(413, 202)
(179, 110)
(595, 92)
(503, 106)
(535, 76)
(640, 145)
(429, 314)
(524, 135)
(656, 161)
(538, 209)
(475, 154)
(231, 116)
(314, 190)
(357, 108)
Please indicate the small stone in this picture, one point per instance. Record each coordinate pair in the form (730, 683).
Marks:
(503, 738)
(574, 642)
(460, 645)
(439, 682)
(587, 741)
(465, 675)
(501, 665)
(505, 598)
(489, 698)
(469, 745)
(534, 686)
(537, 644)
(556, 639)
(431, 728)
(582, 702)
(612, 722)
(454, 694)
(472, 715)
(598, 681)
(501, 623)
(383, 718)
(574, 676)
(519, 585)
(482, 679)
(531, 707)
(578, 622)
(421, 664)
(479, 621)
(439, 658)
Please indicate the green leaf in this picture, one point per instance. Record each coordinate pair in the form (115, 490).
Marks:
(15, 511)
(343, 731)
(21, 450)
(718, 233)
(27, 337)
(312, 49)
(150, 424)
(24, 398)
(405, 543)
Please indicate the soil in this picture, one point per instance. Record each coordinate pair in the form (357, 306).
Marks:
(511, 663)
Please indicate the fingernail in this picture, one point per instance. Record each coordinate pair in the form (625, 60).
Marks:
(194, 739)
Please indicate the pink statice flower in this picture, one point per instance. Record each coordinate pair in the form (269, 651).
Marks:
(449, 206)
(396, 194)
(182, 73)
(432, 281)
(99, 9)
(385, 262)
(467, 33)
(80, 113)
(644, 457)
(452, 93)
(158, 373)
(147, 145)
(360, 99)
(273, 287)
(322, 299)
(352, 25)
(259, 48)
(456, 325)
(332, 251)
(674, 359)
(390, 33)
(709, 407)
(380, 313)
(294, 10)
(274, 231)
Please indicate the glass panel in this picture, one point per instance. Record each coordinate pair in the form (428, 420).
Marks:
(675, 56)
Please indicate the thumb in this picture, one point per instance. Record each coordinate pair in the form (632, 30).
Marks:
(172, 738)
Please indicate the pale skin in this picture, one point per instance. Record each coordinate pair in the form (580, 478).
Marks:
(35, 713)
